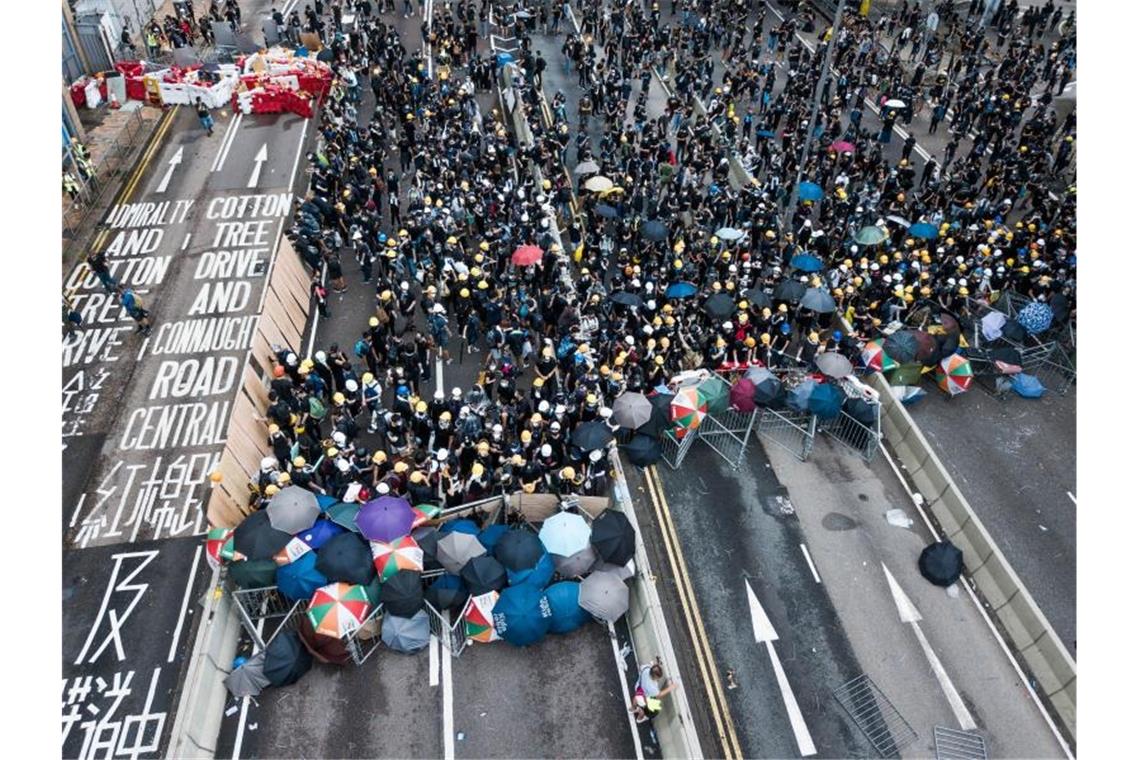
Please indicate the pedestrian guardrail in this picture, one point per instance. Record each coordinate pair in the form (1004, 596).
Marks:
(860, 436)
(674, 450)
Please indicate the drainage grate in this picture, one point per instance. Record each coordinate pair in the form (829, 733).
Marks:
(952, 744)
(875, 716)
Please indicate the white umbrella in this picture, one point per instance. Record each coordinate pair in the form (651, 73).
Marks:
(729, 233)
(599, 184)
(587, 167)
(894, 103)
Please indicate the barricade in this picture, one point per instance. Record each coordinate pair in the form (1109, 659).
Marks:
(258, 608)
(861, 438)
(450, 634)
(790, 430)
(673, 451)
(728, 433)
(1054, 368)
(365, 640)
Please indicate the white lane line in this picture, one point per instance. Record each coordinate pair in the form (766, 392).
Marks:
(174, 161)
(142, 349)
(228, 142)
(186, 241)
(185, 604)
(1071, 497)
(281, 225)
(78, 506)
(811, 565)
(245, 703)
(625, 695)
(288, 7)
(225, 140)
(448, 700)
(316, 319)
(438, 373)
(433, 661)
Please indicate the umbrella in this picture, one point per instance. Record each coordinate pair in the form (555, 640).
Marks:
(1035, 317)
(1013, 331)
(871, 235)
(385, 518)
(719, 305)
(286, 659)
(613, 537)
(248, 679)
(895, 218)
(293, 509)
(322, 530)
(894, 103)
(923, 230)
(625, 298)
(344, 515)
(875, 358)
(714, 393)
(659, 421)
(537, 575)
(564, 533)
(390, 558)
(253, 573)
(346, 558)
(565, 613)
(338, 609)
(424, 513)
(478, 621)
(256, 537)
(606, 211)
(521, 615)
(654, 230)
(763, 132)
(825, 401)
(810, 191)
(992, 324)
(599, 184)
(526, 255)
(789, 290)
(324, 501)
(863, 411)
(681, 290)
(300, 578)
(490, 536)
(403, 594)
(801, 395)
(730, 234)
(805, 262)
(455, 549)
(758, 298)
(902, 346)
(447, 592)
(407, 635)
(941, 563)
(954, 374)
(427, 537)
(1027, 386)
(687, 411)
(928, 348)
(578, 563)
(909, 373)
(834, 364)
(907, 394)
(483, 574)
(841, 146)
(216, 539)
(462, 525)
(587, 167)
(632, 410)
(519, 549)
(818, 300)
(592, 435)
(604, 596)
(740, 397)
(769, 391)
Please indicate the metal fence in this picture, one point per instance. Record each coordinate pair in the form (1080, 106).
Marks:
(790, 430)
(728, 433)
(674, 450)
(363, 641)
(860, 437)
(450, 635)
(262, 609)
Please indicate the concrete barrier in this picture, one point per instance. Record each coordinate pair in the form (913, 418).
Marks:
(1033, 640)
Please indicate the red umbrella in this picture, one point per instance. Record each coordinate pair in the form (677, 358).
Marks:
(525, 255)
(740, 396)
(841, 146)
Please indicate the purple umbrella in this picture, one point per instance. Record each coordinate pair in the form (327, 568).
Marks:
(385, 519)
(740, 396)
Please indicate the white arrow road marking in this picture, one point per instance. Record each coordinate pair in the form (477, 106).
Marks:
(908, 613)
(765, 633)
(258, 160)
(175, 160)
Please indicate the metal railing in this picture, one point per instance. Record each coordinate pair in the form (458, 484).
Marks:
(674, 450)
(790, 430)
(261, 607)
(862, 438)
(728, 434)
(450, 634)
(363, 641)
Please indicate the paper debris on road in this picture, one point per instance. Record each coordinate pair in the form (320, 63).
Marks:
(898, 518)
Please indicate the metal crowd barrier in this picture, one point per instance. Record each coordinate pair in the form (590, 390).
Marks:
(728, 433)
(450, 634)
(790, 430)
(365, 640)
(861, 438)
(261, 607)
(673, 451)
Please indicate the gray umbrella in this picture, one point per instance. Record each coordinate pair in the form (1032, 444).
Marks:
(249, 679)
(407, 635)
(578, 563)
(757, 375)
(455, 549)
(818, 299)
(604, 596)
(293, 509)
(834, 364)
(587, 167)
(632, 410)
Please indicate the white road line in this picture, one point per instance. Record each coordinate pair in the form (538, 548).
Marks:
(433, 661)
(625, 695)
(288, 7)
(316, 319)
(258, 160)
(185, 604)
(448, 701)
(174, 161)
(186, 241)
(811, 565)
(1071, 497)
(78, 507)
(142, 348)
(225, 139)
(245, 704)
(281, 226)
(228, 142)
(438, 374)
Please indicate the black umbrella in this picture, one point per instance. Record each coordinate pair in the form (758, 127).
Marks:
(1011, 330)
(758, 298)
(719, 305)
(256, 538)
(483, 574)
(613, 537)
(654, 230)
(286, 659)
(253, 573)
(1006, 355)
(643, 450)
(403, 594)
(447, 592)
(863, 411)
(659, 419)
(817, 300)
(769, 391)
(519, 549)
(941, 563)
(427, 537)
(902, 346)
(346, 557)
(606, 211)
(591, 435)
(625, 298)
(789, 290)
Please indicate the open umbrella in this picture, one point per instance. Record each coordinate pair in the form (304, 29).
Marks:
(861, 410)
(403, 594)
(490, 536)
(789, 290)
(587, 167)
(519, 549)
(625, 298)
(578, 563)
(599, 184)
(817, 300)
(810, 191)
(424, 513)
(483, 574)
(604, 596)
(217, 538)
(344, 514)
(564, 533)
(322, 530)
(447, 592)
(654, 230)
(346, 558)
(941, 563)
(385, 518)
(293, 509)
(390, 557)
(253, 573)
(687, 410)
(338, 609)
(478, 620)
(731, 234)
(565, 613)
(909, 373)
(526, 255)
(606, 211)
(462, 525)
(613, 537)
(902, 346)
(871, 235)
(521, 615)
(591, 436)
(875, 358)
(300, 578)
(256, 538)
(681, 290)
(719, 305)
(631, 410)
(740, 396)
(825, 401)
(834, 364)
(805, 262)
(758, 298)
(923, 230)
(800, 396)
(537, 575)
(659, 420)
(248, 679)
(455, 549)
(769, 391)
(286, 659)
(841, 146)
(714, 394)
(1035, 317)
(900, 221)
(954, 374)
(406, 634)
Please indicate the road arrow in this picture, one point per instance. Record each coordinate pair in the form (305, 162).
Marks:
(175, 160)
(910, 615)
(259, 159)
(765, 633)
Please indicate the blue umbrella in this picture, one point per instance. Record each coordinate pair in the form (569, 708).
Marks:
(565, 614)
(565, 533)
(800, 395)
(810, 191)
(923, 230)
(806, 262)
(504, 58)
(459, 526)
(321, 531)
(654, 230)
(1035, 317)
(324, 501)
(536, 577)
(490, 535)
(825, 401)
(766, 133)
(522, 615)
(681, 290)
(300, 578)
(606, 211)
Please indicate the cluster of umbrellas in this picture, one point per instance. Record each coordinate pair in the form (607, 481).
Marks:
(905, 354)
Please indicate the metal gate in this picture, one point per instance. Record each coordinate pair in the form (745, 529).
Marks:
(93, 41)
(861, 438)
(1053, 367)
(790, 430)
(450, 634)
(673, 451)
(263, 608)
(875, 716)
(952, 744)
(365, 640)
(727, 434)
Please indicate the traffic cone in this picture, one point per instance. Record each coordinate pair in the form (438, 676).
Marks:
(114, 104)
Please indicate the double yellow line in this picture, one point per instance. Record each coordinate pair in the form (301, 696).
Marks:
(718, 703)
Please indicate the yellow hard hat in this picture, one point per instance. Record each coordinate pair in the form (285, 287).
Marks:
(367, 377)
(400, 467)
(299, 462)
(477, 469)
(338, 398)
(421, 406)
(379, 457)
(567, 473)
(271, 490)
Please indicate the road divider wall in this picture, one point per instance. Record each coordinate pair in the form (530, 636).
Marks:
(1040, 650)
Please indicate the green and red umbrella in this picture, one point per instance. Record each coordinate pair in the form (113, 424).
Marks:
(874, 357)
(954, 374)
(424, 513)
(217, 541)
(338, 609)
(478, 620)
(390, 557)
(687, 410)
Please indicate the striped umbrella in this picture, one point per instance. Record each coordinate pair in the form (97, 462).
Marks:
(390, 557)
(875, 358)
(478, 621)
(424, 513)
(338, 609)
(216, 540)
(687, 411)
(954, 374)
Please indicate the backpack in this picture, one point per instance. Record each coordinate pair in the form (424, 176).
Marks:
(360, 348)
(316, 408)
